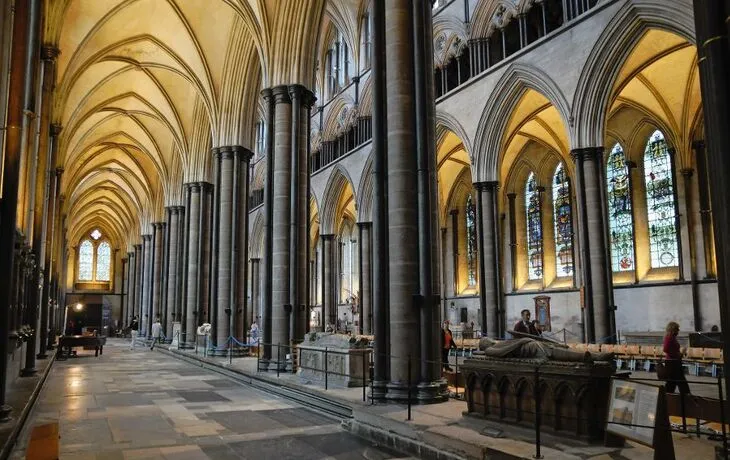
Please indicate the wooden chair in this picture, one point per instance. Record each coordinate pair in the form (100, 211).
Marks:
(713, 356)
(43, 444)
(632, 353)
(695, 356)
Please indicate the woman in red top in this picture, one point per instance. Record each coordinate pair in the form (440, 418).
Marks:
(673, 361)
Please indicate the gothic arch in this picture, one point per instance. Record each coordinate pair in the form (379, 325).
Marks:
(256, 239)
(448, 121)
(517, 80)
(595, 85)
(365, 192)
(337, 183)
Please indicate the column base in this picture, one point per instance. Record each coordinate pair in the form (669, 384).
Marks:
(28, 372)
(398, 392)
(41, 355)
(379, 390)
(5, 412)
(433, 392)
(280, 366)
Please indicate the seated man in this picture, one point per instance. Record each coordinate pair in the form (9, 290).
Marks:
(526, 326)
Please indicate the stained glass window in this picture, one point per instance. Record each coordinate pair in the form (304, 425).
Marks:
(660, 202)
(563, 223)
(103, 261)
(96, 234)
(620, 216)
(534, 229)
(471, 242)
(86, 261)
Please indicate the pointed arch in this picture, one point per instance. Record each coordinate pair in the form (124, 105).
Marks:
(594, 91)
(338, 181)
(517, 80)
(365, 192)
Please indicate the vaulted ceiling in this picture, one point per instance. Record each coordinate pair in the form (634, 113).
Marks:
(145, 88)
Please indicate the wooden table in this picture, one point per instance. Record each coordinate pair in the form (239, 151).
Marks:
(67, 342)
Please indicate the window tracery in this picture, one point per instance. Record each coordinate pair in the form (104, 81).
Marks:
(471, 242)
(660, 205)
(534, 229)
(620, 211)
(563, 223)
(94, 259)
(86, 261)
(103, 261)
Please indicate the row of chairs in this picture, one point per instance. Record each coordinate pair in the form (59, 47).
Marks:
(698, 361)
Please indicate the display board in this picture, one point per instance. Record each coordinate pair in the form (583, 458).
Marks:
(632, 411)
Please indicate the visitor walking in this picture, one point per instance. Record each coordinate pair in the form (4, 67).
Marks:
(447, 343)
(673, 361)
(156, 332)
(134, 331)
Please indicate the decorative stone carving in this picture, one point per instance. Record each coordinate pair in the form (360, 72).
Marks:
(344, 357)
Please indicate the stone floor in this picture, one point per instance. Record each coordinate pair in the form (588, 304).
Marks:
(145, 405)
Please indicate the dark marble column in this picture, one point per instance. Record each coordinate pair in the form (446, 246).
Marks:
(711, 25)
(171, 281)
(489, 273)
(223, 244)
(131, 285)
(124, 290)
(147, 280)
(329, 275)
(255, 291)
(242, 311)
(205, 252)
(267, 288)
(137, 303)
(366, 274)
(281, 231)
(193, 263)
(597, 283)
(53, 236)
(513, 238)
(157, 265)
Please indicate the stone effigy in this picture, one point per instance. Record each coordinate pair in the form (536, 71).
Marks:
(345, 359)
(573, 386)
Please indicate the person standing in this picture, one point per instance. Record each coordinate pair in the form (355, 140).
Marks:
(526, 326)
(254, 333)
(156, 332)
(447, 343)
(673, 361)
(134, 331)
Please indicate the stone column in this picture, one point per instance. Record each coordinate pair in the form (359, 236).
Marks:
(242, 311)
(403, 229)
(223, 242)
(596, 265)
(125, 289)
(513, 238)
(171, 281)
(711, 25)
(157, 263)
(181, 265)
(366, 255)
(147, 273)
(255, 291)
(329, 273)
(205, 254)
(267, 306)
(489, 274)
(193, 263)
(281, 231)
(129, 304)
(137, 305)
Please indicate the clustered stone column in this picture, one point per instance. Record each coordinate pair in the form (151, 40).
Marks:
(489, 274)
(329, 280)
(128, 311)
(365, 259)
(146, 307)
(173, 279)
(137, 305)
(287, 198)
(597, 282)
(255, 290)
(231, 164)
(193, 262)
(157, 264)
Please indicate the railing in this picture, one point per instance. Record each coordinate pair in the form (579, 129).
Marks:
(332, 150)
(256, 199)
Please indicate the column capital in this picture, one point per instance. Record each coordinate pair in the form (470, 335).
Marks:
(266, 93)
(365, 224)
(159, 225)
(130, 254)
(225, 152)
(511, 195)
(205, 186)
(216, 151)
(49, 52)
(687, 172)
(147, 237)
(56, 129)
(631, 164)
(255, 259)
(698, 145)
(241, 152)
(454, 212)
(587, 154)
(491, 185)
(59, 172)
(194, 187)
(281, 94)
(138, 247)
(327, 236)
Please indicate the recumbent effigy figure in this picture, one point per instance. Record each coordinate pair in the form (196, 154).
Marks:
(528, 348)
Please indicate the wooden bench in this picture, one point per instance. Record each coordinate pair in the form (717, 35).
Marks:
(43, 444)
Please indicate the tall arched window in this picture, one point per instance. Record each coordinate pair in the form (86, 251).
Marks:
(534, 229)
(366, 38)
(103, 261)
(95, 260)
(86, 261)
(660, 202)
(471, 242)
(620, 216)
(563, 223)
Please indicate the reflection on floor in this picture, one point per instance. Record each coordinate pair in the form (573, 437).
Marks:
(145, 405)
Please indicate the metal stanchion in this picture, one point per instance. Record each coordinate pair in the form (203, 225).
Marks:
(682, 408)
(456, 373)
(326, 350)
(537, 414)
(722, 417)
(278, 359)
(409, 387)
(230, 350)
(258, 358)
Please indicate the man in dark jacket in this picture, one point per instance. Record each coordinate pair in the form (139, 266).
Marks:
(526, 326)
(134, 330)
